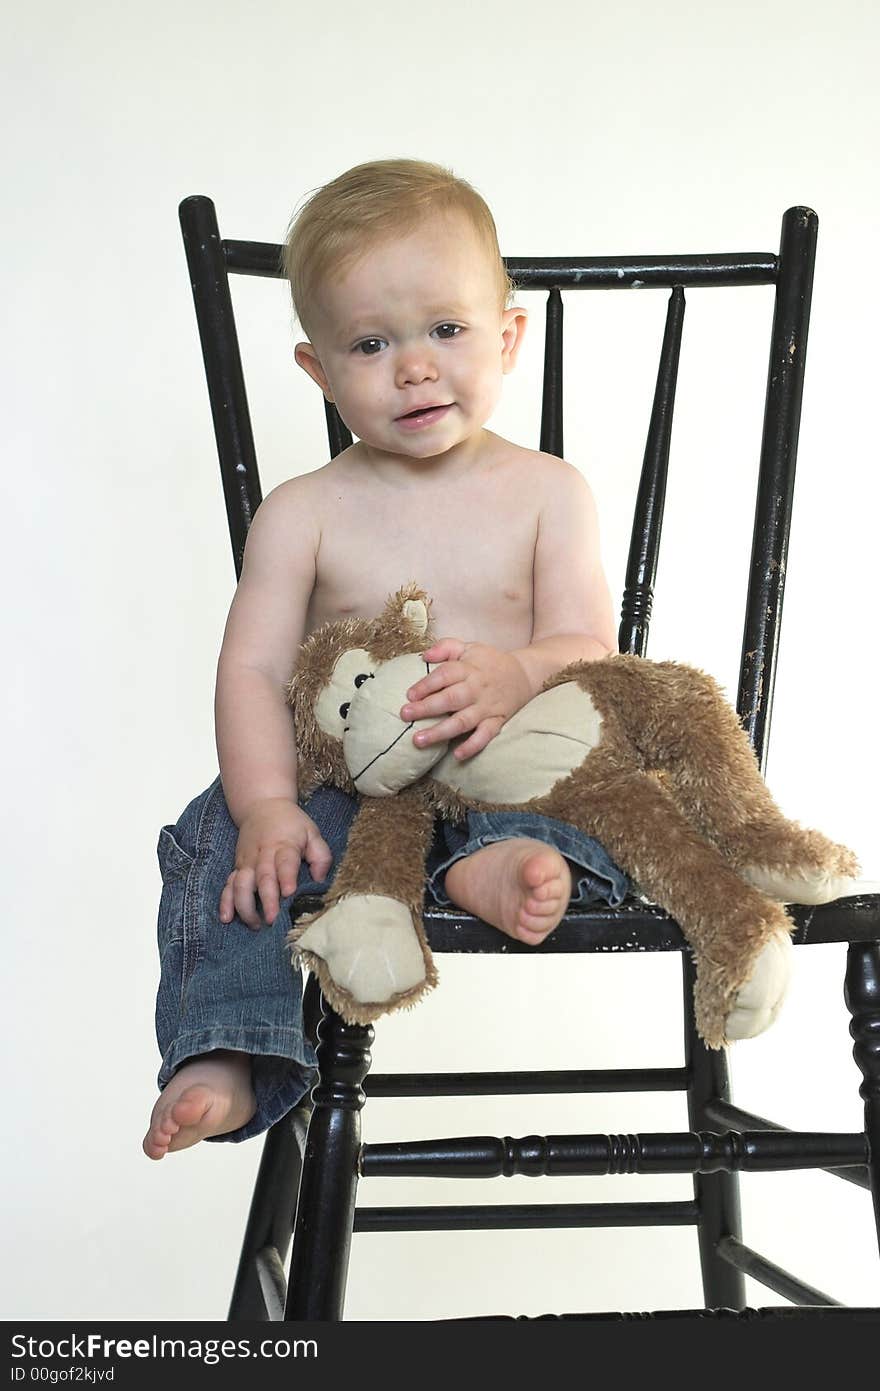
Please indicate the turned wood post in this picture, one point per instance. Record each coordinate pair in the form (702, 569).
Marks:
(862, 995)
(325, 1210)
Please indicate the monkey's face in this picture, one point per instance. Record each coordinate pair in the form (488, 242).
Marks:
(361, 706)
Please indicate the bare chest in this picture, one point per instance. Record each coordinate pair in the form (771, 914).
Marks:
(472, 550)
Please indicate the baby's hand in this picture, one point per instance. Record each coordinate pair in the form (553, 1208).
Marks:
(476, 686)
(273, 838)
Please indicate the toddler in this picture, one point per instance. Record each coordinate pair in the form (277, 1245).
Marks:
(399, 285)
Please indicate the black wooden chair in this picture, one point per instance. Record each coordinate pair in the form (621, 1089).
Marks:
(311, 1160)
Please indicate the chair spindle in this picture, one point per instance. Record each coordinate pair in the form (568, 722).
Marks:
(206, 259)
(641, 569)
(779, 441)
(338, 433)
(551, 405)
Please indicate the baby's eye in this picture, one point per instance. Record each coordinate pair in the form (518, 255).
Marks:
(370, 346)
(448, 330)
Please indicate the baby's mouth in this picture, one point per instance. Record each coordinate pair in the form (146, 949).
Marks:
(424, 412)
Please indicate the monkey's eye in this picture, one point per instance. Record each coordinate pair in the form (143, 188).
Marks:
(344, 709)
(364, 676)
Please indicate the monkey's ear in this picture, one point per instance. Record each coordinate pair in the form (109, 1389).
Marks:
(415, 611)
(404, 625)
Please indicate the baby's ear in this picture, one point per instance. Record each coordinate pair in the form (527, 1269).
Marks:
(309, 361)
(513, 327)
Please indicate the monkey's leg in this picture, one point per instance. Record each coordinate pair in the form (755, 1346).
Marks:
(740, 938)
(367, 945)
(694, 740)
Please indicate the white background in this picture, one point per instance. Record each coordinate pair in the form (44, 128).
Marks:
(650, 129)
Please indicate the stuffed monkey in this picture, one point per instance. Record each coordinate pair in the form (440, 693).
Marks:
(647, 757)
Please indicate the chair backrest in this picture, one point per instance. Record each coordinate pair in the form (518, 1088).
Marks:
(211, 260)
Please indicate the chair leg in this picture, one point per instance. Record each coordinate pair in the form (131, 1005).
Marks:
(325, 1211)
(862, 994)
(717, 1195)
(270, 1221)
(273, 1205)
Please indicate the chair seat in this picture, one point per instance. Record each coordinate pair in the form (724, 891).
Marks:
(636, 925)
(640, 926)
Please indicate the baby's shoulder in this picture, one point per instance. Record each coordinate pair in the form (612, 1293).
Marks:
(540, 468)
(303, 489)
(289, 520)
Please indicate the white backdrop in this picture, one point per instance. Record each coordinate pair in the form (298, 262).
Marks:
(652, 129)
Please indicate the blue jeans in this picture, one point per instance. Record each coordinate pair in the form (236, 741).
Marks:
(223, 985)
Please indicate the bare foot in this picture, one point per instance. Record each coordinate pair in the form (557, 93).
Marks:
(520, 886)
(209, 1096)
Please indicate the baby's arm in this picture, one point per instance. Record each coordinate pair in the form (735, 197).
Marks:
(479, 687)
(255, 740)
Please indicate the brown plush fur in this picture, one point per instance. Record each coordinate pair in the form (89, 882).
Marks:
(672, 790)
(392, 830)
(319, 757)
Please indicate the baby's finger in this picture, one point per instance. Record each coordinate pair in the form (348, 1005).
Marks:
(267, 888)
(445, 702)
(319, 857)
(460, 723)
(444, 674)
(444, 650)
(227, 903)
(483, 734)
(244, 890)
(287, 861)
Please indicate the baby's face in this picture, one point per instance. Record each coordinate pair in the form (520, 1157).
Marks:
(412, 341)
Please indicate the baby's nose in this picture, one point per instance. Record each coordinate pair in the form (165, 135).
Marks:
(414, 367)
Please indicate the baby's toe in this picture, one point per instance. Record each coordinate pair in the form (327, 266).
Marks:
(547, 892)
(167, 1130)
(540, 907)
(541, 867)
(190, 1108)
(533, 930)
(155, 1142)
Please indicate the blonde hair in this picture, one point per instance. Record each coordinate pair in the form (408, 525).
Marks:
(383, 198)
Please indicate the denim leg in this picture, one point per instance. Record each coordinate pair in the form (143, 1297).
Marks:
(224, 985)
